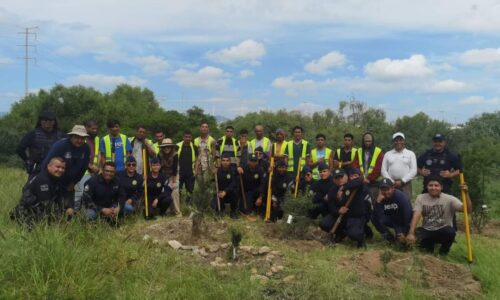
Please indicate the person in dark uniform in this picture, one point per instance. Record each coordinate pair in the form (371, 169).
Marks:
(156, 183)
(320, 190)
(243, 147)
(306, 181)
(76, 154)
(262, 159)
(354, 173)
(392, 209)
(188, 163)
(35, 145)
(280, 184)
(440, 162)
(42, 195)
(132, 184)
(354, 216)
(253, 183)
(102, 194)
(345, 156)
(227, 187)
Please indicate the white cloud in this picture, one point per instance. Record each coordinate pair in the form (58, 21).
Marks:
(292, 86)
(448, 86)
(414, 67)
(325, 63)
(484, 56)
(151, 65)
(308, 108)
(101, 81)
(98, 45)
(479, 100)
(246, 73)
(6, 61)
(210, 78)
(248, 51)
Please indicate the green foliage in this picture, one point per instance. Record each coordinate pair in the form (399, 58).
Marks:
(299, 209)
(132, 106)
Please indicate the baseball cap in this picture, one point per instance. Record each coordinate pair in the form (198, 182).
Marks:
(438, 137)
(338, 173)
(398, 134)
(386, 182)
(322, 166)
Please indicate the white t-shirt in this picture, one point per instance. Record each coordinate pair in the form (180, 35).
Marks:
(437, 212)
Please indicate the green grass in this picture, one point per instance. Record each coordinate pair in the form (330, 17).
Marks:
(81, 261)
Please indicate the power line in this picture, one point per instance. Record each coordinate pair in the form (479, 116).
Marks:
(28, 31)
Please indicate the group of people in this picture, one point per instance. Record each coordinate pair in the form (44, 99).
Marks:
(109, 177)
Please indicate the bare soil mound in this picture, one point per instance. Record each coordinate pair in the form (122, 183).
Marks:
(435, 277)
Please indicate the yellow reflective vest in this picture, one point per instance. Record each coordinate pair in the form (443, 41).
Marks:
(265, 144)
(289, 150)
(314, 159)
(373, 162)
(107, 147)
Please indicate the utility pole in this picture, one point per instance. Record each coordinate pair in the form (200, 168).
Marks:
(28, 31)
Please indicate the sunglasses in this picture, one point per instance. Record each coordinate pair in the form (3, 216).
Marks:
(131, 165)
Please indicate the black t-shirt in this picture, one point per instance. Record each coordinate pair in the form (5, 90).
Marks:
(186, 160)
(155, 185)
(133, 186)
(437, 162)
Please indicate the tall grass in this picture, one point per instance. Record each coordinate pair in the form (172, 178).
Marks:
(75, 260)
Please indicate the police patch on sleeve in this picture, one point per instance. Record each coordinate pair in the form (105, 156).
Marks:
(256, 176)
(44, 187)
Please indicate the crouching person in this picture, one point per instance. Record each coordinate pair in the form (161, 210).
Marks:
(320, 190)
(436, 210)
(227, 188)
(42, 196)
(132, 184)
(253, 185)
(280, 185)
(102, 195)
(353, 215)
(157, 182)
(392, 209)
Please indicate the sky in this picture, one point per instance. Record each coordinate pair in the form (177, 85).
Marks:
(232, 57)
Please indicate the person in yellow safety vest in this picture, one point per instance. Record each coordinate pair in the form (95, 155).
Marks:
(227, 145)
(138, 143)
(297, 149)
(320, 154)
(188, 162)
(93, 141)
(159, 136)
(206, 148)
(115, 146)
(278, 148)
(260, 141)
(344, 157)
(369, 161)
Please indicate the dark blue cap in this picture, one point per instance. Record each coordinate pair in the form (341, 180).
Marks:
(131, 159)
(385, 183)
(338, 173)
(155, 161)
(306, 169)
(252, 156)
(438, 137)
(322, 166)
(353, 171)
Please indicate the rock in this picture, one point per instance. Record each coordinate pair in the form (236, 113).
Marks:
(274, 269)
(253, 271)
(289, 279)
(275, 253)
(229, 264)
(224, 246)
(213, 248)
(218, 259)
(156, 242)
(174, 244)
(220, 231)
(270, 258)
(269, 274)
(201, 252)
(261, 278)
(214, 264)
(247, 249)
(146, 237)
(280, 268)
(188, 247)
(264, 250)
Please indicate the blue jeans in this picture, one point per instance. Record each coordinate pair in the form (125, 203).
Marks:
(128, 209)
(91, 214)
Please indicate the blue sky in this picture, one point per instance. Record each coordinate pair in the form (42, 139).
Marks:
(231, 57)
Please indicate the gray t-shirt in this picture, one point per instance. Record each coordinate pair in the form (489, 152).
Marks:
(437, 212)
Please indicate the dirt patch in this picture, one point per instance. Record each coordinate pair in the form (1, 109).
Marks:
(435, 277)
(213, 247)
